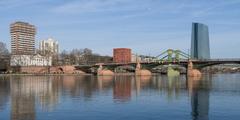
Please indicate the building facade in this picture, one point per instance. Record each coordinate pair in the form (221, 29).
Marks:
(200, 42)
(49, 46)
(30, 60)
(122, 55)
(22, 38)
(135, 58)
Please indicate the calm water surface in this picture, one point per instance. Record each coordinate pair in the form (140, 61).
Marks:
(213, 97)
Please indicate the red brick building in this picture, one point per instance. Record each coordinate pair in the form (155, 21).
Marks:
(122, 55)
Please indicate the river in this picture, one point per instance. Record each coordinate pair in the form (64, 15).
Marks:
(158, 97)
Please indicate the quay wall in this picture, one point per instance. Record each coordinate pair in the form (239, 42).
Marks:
(46, 69)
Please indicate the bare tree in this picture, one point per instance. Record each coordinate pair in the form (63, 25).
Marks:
(4, 56)
(76, 56)
(3, 50)
(83, 56)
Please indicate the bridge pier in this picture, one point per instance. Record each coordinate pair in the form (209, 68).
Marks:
(191, 72)
(172, 72)
(102, 72)
(141, 72)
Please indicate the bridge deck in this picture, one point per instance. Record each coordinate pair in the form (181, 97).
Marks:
(181, 62)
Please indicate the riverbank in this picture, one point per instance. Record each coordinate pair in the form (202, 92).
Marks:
(116, 74)
(45, 74)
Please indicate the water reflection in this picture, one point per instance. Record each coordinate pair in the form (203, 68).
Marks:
(122, 86)
(105, 82)
(29, 92)
(28, 96)
(172, 86)
(4, 91)
(199, 92)
(26, 91)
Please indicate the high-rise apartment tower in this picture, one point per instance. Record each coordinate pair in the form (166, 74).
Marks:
(22, 38)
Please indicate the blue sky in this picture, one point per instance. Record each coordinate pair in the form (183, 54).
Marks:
(147, 26)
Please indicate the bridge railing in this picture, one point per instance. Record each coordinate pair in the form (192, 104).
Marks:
(224, 59)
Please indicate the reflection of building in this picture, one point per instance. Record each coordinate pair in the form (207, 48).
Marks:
(122, 55)
(122, 88)
(49, 46)
(22, 101)
(22, 38)
(26, 91)
(4, 92)
(200, 42)
(30, 60)
(23, 107)
(199, 99)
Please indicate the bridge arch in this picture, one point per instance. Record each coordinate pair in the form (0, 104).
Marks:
(128, 68)
(60, 69)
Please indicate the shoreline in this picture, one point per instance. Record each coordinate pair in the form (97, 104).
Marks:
(19, 74)
(116, 74)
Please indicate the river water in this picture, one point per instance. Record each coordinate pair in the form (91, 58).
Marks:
(213, 97)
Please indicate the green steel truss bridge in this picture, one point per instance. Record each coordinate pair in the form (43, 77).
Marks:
(198, 64)
(170, 56)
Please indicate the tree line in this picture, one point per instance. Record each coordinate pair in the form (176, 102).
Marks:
(72, 57)
(82, 57)
(4, 56)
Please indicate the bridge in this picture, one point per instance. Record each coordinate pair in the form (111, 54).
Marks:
(200, 63)
(168, 57)
(200, 55)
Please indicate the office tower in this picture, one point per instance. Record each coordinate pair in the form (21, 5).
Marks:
(200, 42)
(22, 38)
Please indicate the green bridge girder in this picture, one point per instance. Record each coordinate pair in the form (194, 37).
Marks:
(171, 55)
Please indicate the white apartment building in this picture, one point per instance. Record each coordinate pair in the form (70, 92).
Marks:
(49, 47)
(30, 60)
(135, 58)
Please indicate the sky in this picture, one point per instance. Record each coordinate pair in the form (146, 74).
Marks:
(148, 27)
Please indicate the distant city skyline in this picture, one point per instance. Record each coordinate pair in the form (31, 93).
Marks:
(148, 27)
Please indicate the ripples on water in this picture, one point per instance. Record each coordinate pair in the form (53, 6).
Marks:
(120, 97)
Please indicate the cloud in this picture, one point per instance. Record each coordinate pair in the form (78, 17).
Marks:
(84, 6)
(211, 8)
(105, 10)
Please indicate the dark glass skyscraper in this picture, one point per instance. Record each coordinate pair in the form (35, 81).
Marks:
(200, 42)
